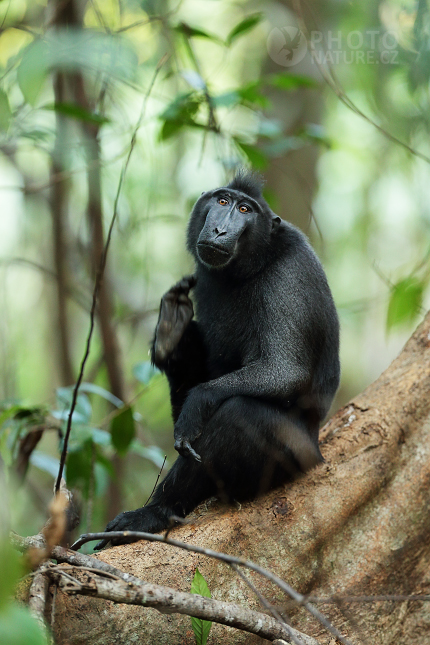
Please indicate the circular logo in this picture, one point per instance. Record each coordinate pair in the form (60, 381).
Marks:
(286, 46)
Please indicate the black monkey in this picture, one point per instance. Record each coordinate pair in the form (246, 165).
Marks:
(251, 378)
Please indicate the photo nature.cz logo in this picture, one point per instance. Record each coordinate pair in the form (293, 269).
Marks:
(287, 46)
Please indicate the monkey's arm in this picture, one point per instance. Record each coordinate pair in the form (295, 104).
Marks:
(279, 381)
(177, 348)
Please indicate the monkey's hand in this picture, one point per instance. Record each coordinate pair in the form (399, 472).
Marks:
(176, 311)
(196, 410)
(144, 519)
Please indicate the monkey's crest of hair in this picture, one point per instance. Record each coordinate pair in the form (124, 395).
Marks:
(248, 182)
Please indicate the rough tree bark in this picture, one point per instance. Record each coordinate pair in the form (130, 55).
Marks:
(357, 525)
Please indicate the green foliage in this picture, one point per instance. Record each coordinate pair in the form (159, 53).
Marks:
(201, 628)
(194, 32)
(180, 113)
(5, 111)
(244, 26)
(11, 569)
(76, 112)
(18, 627)
(74, 50)
(406, 298)
(123, 430)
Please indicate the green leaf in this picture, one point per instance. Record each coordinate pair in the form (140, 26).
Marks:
(92, 388)
(405, 302)
(5, 111)
(18, 627)
(145, 372)
(123, 430)
(82, 433)
(182, 107)
(201, 628)
(257, 158)
(286, 81)
(76, 112)
(180, 113)
(73, 50)
(83, 410)
(227, 99)
(33, 70)
(79, 467)
(10, 570)
(194, 32)
(244, 26)
(251, 93)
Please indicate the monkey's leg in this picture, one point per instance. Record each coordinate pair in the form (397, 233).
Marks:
(244, 452)
(184, 487)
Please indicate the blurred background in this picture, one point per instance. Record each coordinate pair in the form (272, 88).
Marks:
(133, 108)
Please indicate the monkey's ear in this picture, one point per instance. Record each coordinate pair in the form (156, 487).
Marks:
(275, 222)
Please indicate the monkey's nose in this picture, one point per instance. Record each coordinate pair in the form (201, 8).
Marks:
(218, 232)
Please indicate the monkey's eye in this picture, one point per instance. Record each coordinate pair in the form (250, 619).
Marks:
(222, 201)
(244, 209)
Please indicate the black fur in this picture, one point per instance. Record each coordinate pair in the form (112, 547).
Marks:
(253, 377)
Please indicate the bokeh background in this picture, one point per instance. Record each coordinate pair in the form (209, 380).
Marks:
(133, 108)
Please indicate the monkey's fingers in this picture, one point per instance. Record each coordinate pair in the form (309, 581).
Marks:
(185, 449)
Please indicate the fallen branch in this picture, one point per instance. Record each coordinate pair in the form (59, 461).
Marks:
(169, 601)
(156, 593)
(299, 598)
(37, 600)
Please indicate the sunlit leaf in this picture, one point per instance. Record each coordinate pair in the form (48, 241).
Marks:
(406, 299)
(195, 32)
(145, 372)
(244, 26)
(201, 628)
(33, 70)
(123, 430)
(72, 50)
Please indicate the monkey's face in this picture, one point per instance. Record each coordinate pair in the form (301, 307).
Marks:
(227, 214)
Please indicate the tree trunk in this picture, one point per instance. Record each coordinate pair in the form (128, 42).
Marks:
(356, 525)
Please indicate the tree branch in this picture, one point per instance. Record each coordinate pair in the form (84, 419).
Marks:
(170, 601)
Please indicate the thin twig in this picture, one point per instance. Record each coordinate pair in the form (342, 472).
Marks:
(156, 481)
(292, 632)
(99, 278)
(223, 557)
